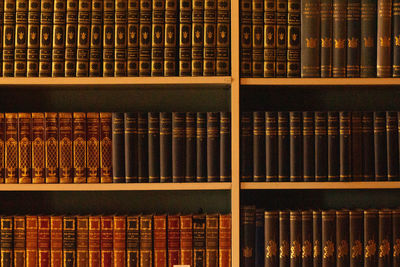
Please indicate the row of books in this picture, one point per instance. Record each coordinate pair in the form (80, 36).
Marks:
(320, 146)
(138, 240)
(326, 238)
(114, 38)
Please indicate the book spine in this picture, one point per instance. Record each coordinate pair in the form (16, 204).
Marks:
(79, 147)
(31, 241)
(132, 241)
(353, 38)
(119, 241)
(120, 35)
(82, 54)
(2, 146)
(321, 146)
(145, 38)
(1, 36)
(146, 241)
(224, 239)
(19, 235)
(69, 241)
(21, 28)
(44, 241)
(132, 38)
(257, 16)
(310, 36)
(38, 148)
(225, 147)
(51, 156)
(308, 146)
(282, 38)
(368, 146)
(165, 147)
(271, 146)
(46, 28)
(131, 156)
(396, 236)
(210, 37)
(317, 239)
(185, 37)
(294, 39)
(143, 169)
(11, 148)
(158, 32)
(333, 146)
(199, 240)
(94, 241)
(160, 240)
(171, 38)
(380, 146)
(82, 241)
(396, 38)
(33, 38)
(345, 145)
(58, 52)
(368, 38)
(371, 238)
(56, 241)
(24, 148)
(271, 238)
(212, 240)
(222, 66)
(6, 241)
(9, 38)
(108, 37)
(384, 35)
(173, 236)
(284, 238)
(118, 147)
(106, 241)
(385, 238)
(245, 38)
(65, 147)
(213, 147)
(71, 29)
(269, 37)
(356, 146)
(356, 226)
(296, 161)
(342, 238)
(186, 239)
(339, 38)
(154, 147)
(307, 238)
(326, 38)
(178, 147)
(105, 147)
(95, 53)
(258, 145)
(197, 37)
(93, 147)
(328, 238)
(295, 238)
(392, 142)
(190, 173)
(283, 147)
(246, 140)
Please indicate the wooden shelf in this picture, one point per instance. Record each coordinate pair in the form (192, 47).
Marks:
(319, 81)
(319, 185)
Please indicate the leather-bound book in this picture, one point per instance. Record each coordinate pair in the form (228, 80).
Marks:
(321, 146)
(368, 38)
(143, 166)
(79, 145)
(281, 38)
(380, 146)
(132, 38)
(18, 236)
(154, 146)
(199, 240)
(257, 17)
(310, 36)
(392, 143)
(145, 38)
(396, 236)
(185, 37)
(248, 228)
(342, 238)
(44, 241)
(371, 238)
(384, 42)
(165, 147)
(296, 161)
(224, 239)
(317, 238)
(106, 241)
(328, 238)
(108, 37)
(2, 146)
(21, 34)
(307, 238)
(160, 240)
(46, 35)
(131, 151)
(11, 148)
(356, 226)
(333, 146)
(71, 34)
(82, 241)
(353, 38)
(284, 238)
(213, 143)
(120, 35)
(283, 147)
(178, 147)
(69, 241)
(146, 240)
(170, 38)
(368, 146)
(186, 239)
(132, 241)
(7, 241)
(385, 238)
(119, 241)
(24, 148)
(345, 145)
(294, 39)
(33, 38)
(190, 170)
(96, 25)
(269, 38)
(222, 66)
(259, 239)
(271, 146)
(212, 225)
(173, 237)
(245, 38)
(295, 238)
(339, 38)
(65, 147)
(356, 146)
(9, 38)
(82, 55)
(246, 140)
(94, 241)
(396, 38)
(258, 146)
(56, 241)
(31, 241)
(157, 38)
(1, 36)
(271, 238)
(326, 38)
(118, 146)
(93, 147)
(197, 37)
(38, 148)
(210, 37)
(225, 147)
(105, 147)
(308, 146)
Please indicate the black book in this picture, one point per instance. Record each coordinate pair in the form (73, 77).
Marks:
(246, 147)
(8, 38)
(178, 147)
(356, 146)
(21, 40)
(356, 226)
(396, 236)
(321, 146)
(131, 149)
(190, 153)
(71, 33)
(199, 240)
(247, 215)
(69, 241)
(329, 238)
(308, 146)
(198, 37)
(345, 145)
(310, 36)
(353, 38)
(259, 239)
(342, 238)
(120, 35)
(368, 38)
(283, 147)
(384, 42)
(225, 147)
(157, 38)
(154, 146)
(58, 53)
(368, 157)
(271, 146)
(392, 142)
(118, 146)
(271, 238)
(296, 157)
(380, 146)
(371, 238)
(222, 63)
(143, 165)
(33, 37)
(96, 25)
(284, 239)
(201, 147)
(307, 238)
(245, 38)
(171, 37)
(82, 55)
(385, 237)
(326, 38)
(258, 146)
(333, 147)
(210, 39)
(213, 144)
(317, 238)
(165, 147)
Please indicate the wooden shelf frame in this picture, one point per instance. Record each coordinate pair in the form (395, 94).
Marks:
(318, 185)
(320, 81)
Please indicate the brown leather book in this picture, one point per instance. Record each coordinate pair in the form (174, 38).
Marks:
(199, 240)
(157, 38)
(368, 146)
(271, 238)
(11, 149)
(51, 147)
(385, 238)
(108, 37)
(21, 33)
(93, 147)
(186, 240)
(19, 241)
(33, 38)
(293, 38)
(82, 241)
(119, 241)
(2, 147)
(257, 16)
(225, 233)
(160, 240)
(321, 146)
(380, 146)
(71, 30)
(296, 157)
(6, 241)
(145, 38)
(185, 37)
(392, 143)
(308, 146)
(246, 146)
(46, 28)
(8, 38)
(342, 238)
(356, 229)
(106, 241)
(94, 241)
(79, 146)
(25, 148)
(396, 236)
(371, 238)
(56, 241)
(105, 148)
(120, 35)
(69, 241)
(83, 40)
(146, 240)
(384, 39)
(44, 241)
(212, 226)
(197, 34)
(173, 238)
(58, 52)
(284, 238)
(65, 147)
(295, 238)
(38, 148)
(95, 51)
(258, 146)
(317, 238)
(222, 63)
(271, 146)
(31, 241)
(133, 40)
(329, 238)
(170, 38)
(307, 238)
(210, 37)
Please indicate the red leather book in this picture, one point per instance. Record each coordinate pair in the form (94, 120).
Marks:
(56, 224)
(24, 148)
(65, 147)
(82, 242)
(93, 150)
(119, 241)
(19, 241)
(51, 147)
(105, 148)
(11, 148)
(44, 241)
(186, 242)
(31, 241)
(212, 240)
(106, 241)
(79, 146)
(160, 240)
(146, 240)
(173, 240)
(2, 146)
(225, 229)
(94, 241)
(38, 151)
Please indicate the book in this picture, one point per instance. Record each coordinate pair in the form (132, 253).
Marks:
(213, 142)
(154, 146)
(339, 57)
(310, 36)
(396, 236)
(296, 157)
(145, 17)
(106, 241)
(24, 148)
(308, 146)
(105, 147)
(284, 238)
(18, 238)
(342, 238)
(157, 37)
(95, 42)
(295, 238)
(224, 237)
(186, 239)
(282, 38)
(368, 146)
(178, 147)
(283, 147)
(271, 238)
(333, 146)
(222, 65)
(212, 225)
(7, 241)
(247, 246)
(1, 36)
(46, 34)
(353, 38)
(146, 240)
(190, 145)
(79, 146)
(380, 146)
(160, 240)
(69, 241)
(246, 146)
(368, 38)
(198, 38)
(245, 38)
(321, 146)
(82, 241)
(371, 238)
(44, 248)
(329, 237)
(132, 241)
(8, 38)
(396, 38)
(131, 156)
(270, 37)
(356, 225)
(165, 147)
(317, 238)
(345, 145)
(225, 147)
(210, 37)
(293, 39)
(392, 143)
(56, 241)
(65, 147)
(120, 35)
(356, 146)
(384, 39)
(2, 147)
(119, 240)
(185, 37)
(271, 146)
(326, 38)
(173, 240)
(307, 238)
(94, 241)
(170, 38)
(258, 146)
(118, 147)
(33, 35)
(199, 240)
(93, 147)
(257, 16)
(132, 64)
(38, 148)
(83, 40)
(385, 237)
(143, 169)
(21, 28)
(71, 31)
(201, 147)
(31, 241)
(108, 37)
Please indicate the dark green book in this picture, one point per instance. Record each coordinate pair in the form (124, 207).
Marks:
(326, 38)
(353, 38)
(339, 38)
(368, 38)
(310, 36)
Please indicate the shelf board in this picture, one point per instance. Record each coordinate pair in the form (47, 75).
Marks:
(319, 81)
(320, 185)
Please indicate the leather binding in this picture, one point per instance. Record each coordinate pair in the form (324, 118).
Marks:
(283, 147)
(82, 58)
(46, 28)
(186, 240)
(118, 147)
(392, 144)
(380, 146)
(21, 28)
(371, 238)
(294, 39)
(271, 237)
(210, 37)
(368, 38)
(284, 238)
(51, 156)
(385, 238)
(132, 38)
(119, 240)
(342, 238)
(170, 38)
(384, 42)
(158, 33)
(271, 146)
(132, 241)
(33, 38)
(295, 238)
(225, 147)
(317, 238)
(106, 241)
(65, 147)
(197, 37)
(120, 35)
(44, 240)
(82, 241)
(345, 145)
(339, 38)
(6, 241)
(24, 148)
(308, 146)
(108, 37)
(1, 36)
(247, 235)
(173, 240)
(145, 38)
(190, 153)
(281, 38)
(19, 246)
(185, 37)
(165, 147)
(71, 30)
(269, 38)
(131, 156)
(356, 226)
(178, 147)
(38, 148)
(160, 240)
(93, 147)
(368, 146)
(245, 38)
(31, 241)
(11, 148)
(257, 15)
(69, 241)
(356, 146)
(296, 172)
(143, 169)
(396, 38)
(328, 238)
(56, 241)
(307, 238)
(58, 52)
(201, 147)
(154, 147)
(333, 146)
(310, 36)
(8, 38)
(353, 38)
(105, 147)
(79, 145)
(199, 240)
(146, 240)
(259, 250)
(2, 146)
(396, 236)
(222, 66)
(321, 146)
(213, 147)
(94, 241)
(326, 38)
(258, 146)
(225, 232)
(212, 226)
(96, 25)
